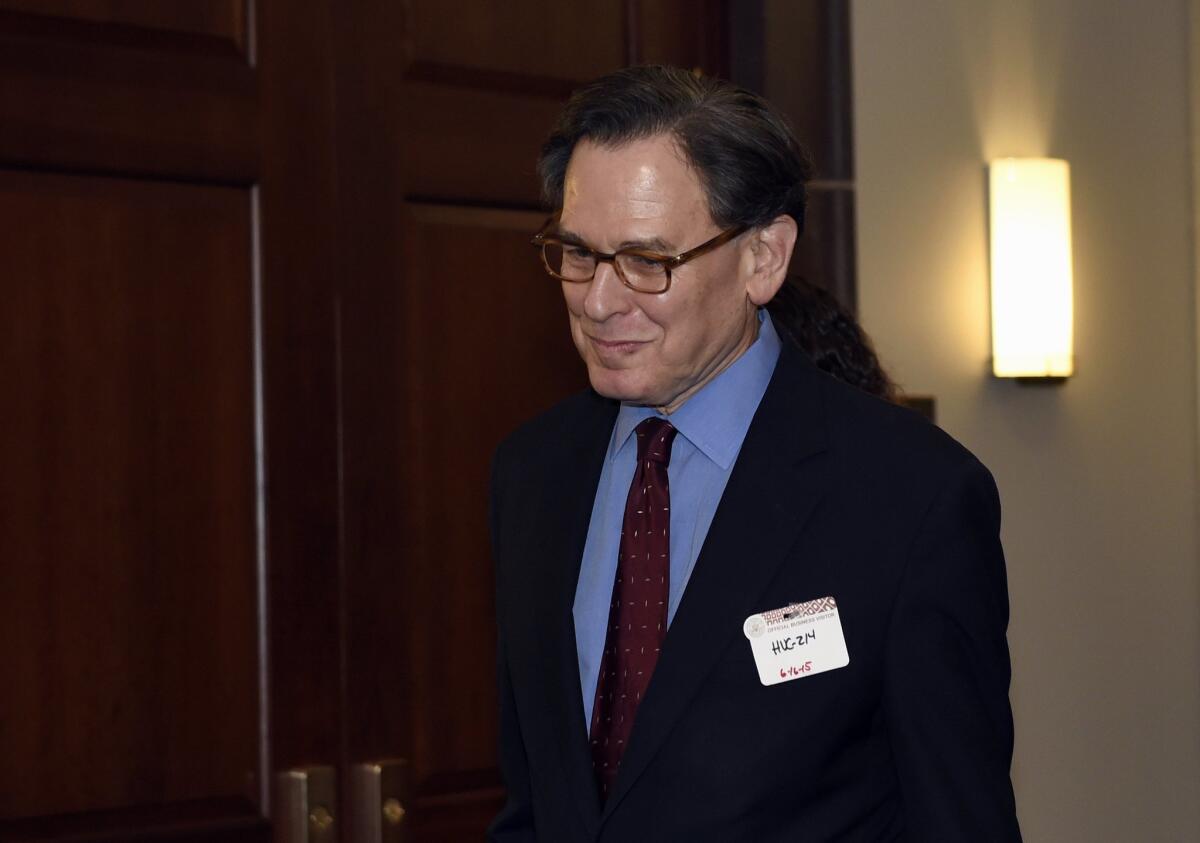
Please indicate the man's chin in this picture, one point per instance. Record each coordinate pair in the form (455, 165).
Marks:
(618, 385)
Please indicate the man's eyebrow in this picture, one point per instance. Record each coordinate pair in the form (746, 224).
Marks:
(568, 236)
(652, 244)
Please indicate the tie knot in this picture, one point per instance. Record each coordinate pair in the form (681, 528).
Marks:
(654, 438)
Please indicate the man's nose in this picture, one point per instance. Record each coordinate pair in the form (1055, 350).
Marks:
(606, 293)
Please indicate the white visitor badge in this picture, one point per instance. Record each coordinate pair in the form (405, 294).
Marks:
(799, 640)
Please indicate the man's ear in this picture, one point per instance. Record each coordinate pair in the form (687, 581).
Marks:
(771, 249)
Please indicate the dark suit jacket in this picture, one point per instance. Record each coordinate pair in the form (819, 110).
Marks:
(834, 493)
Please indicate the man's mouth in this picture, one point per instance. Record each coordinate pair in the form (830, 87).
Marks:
(617, 346)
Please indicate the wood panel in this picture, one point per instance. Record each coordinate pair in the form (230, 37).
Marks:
(308, 705)
(684, 33)
(542, 45)
(424, 294)
(473, 146)
(484, 85)
(373, 395)
(228, 820)
(174, 100)
(101, 98)
(127, 537)
(486, 346)
(220, 24)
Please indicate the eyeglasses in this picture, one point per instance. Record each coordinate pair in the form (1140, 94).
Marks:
(639, 269)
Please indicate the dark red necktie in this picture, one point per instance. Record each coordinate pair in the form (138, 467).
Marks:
(637, 616)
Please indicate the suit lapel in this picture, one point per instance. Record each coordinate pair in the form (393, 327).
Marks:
(569, 492)
(774, 487)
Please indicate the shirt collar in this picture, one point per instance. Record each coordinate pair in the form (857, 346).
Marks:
(717, 417)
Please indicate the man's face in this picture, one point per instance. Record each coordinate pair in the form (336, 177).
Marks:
(644, 348)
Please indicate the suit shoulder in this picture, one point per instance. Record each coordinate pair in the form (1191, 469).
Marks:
(870, 432)
(554, 426)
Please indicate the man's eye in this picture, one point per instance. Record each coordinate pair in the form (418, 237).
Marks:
(578, 253)
(639, 262)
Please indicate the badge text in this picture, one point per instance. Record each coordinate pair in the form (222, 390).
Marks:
(795, 670)
(782, 645)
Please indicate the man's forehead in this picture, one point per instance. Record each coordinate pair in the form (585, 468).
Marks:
(640, 190)
(634, 184)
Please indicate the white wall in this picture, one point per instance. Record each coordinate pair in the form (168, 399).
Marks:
(1099, 476)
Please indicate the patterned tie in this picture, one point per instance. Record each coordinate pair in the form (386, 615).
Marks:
(637, 616)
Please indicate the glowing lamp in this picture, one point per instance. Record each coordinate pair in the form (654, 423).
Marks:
(1032, 307)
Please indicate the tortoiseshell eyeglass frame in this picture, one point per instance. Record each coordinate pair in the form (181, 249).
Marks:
(668, 262)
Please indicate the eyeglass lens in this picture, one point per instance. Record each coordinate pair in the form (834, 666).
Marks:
(575, 263)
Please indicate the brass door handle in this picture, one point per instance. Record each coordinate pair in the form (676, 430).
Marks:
(378, 797)
(305, 805)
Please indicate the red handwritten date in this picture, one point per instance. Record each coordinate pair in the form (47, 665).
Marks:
(795, 670)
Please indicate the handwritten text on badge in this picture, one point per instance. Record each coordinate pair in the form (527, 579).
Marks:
(801, 639)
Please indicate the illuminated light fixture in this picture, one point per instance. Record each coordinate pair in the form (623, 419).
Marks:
(1032, 307)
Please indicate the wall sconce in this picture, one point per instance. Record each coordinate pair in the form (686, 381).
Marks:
(1032, 307)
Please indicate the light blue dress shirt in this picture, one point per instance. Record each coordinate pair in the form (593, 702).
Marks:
(712, 425)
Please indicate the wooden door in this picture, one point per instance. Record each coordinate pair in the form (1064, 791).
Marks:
(461, 340)
(267, 304)
(168, 508)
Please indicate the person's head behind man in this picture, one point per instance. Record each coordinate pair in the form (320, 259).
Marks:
(658, 161)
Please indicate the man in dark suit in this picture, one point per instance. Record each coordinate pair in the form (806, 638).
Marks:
(737, 598)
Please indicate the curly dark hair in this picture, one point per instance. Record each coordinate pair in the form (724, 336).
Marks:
(814, 320)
